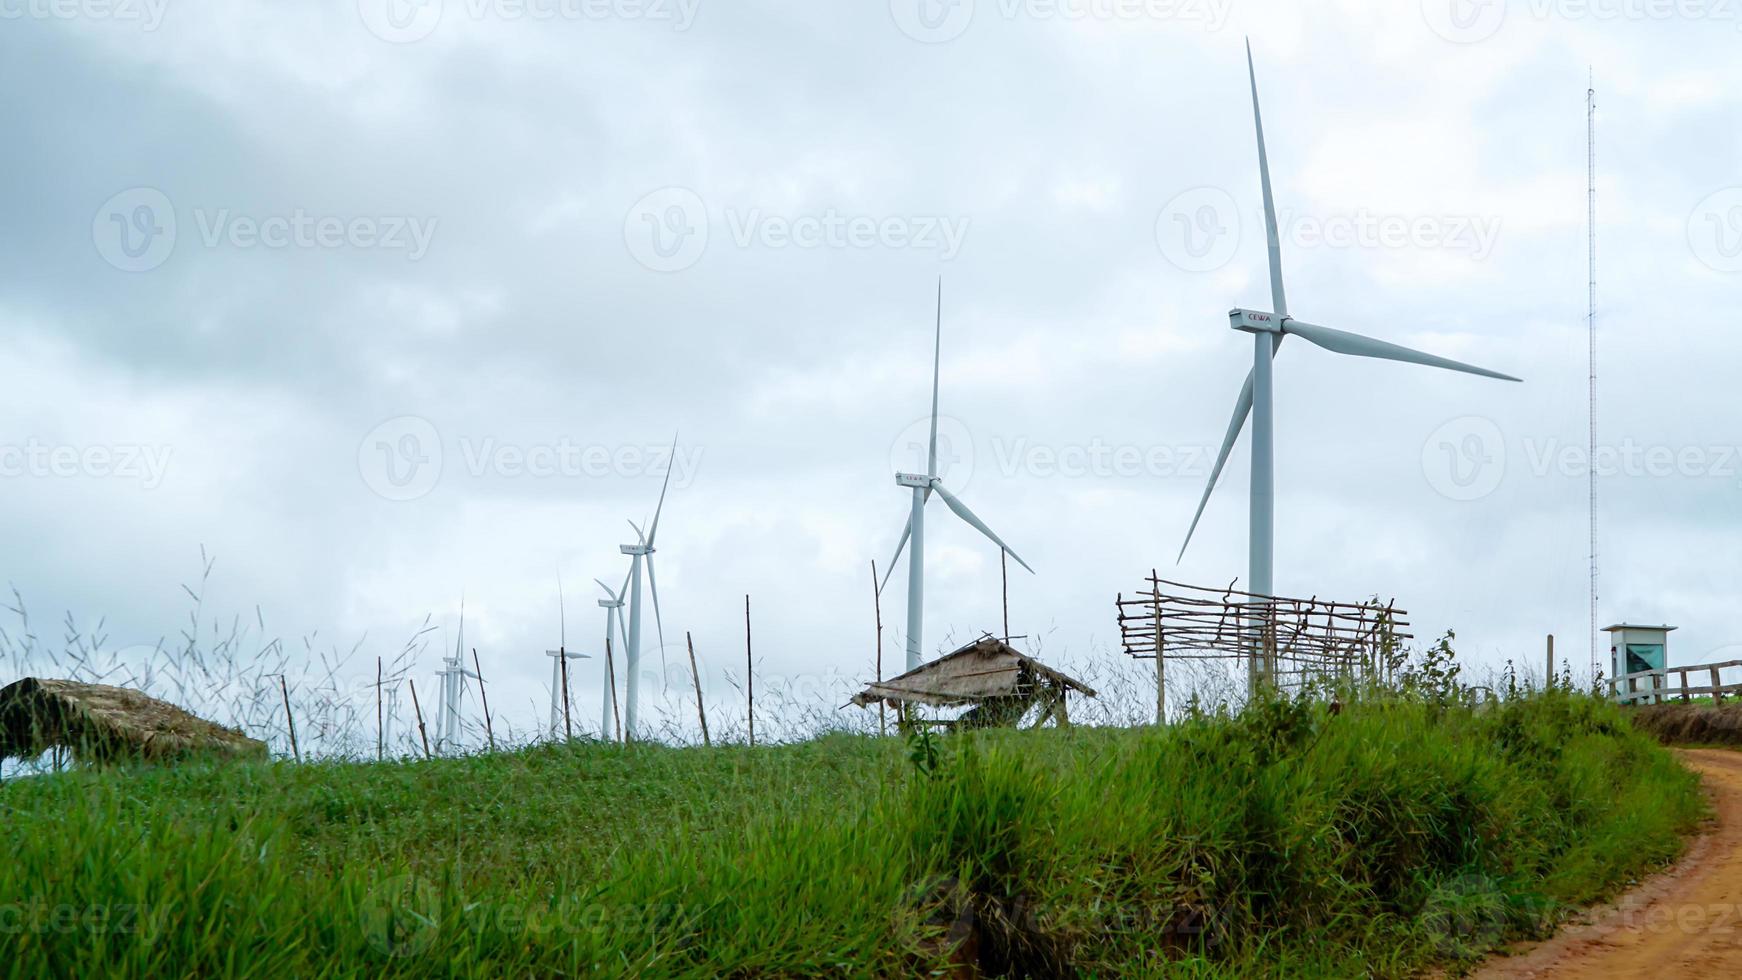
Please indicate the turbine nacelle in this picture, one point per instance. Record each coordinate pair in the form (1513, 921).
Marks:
(914, 481)
(635, 549)
(1254, 321)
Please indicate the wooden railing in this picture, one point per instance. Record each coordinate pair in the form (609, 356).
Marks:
(1653, 686)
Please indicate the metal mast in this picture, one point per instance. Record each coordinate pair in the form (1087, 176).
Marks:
(1591, 332)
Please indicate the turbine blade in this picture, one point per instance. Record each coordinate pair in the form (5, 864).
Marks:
(906, 532)
(607, 589)
(965, 514)
(653, 587)
(931, 464)
(653, 530)
(642, 538)
(1272, 238)
(1343, 342)
(1242, 409)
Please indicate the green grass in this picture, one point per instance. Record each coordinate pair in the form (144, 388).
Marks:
(1288, 841)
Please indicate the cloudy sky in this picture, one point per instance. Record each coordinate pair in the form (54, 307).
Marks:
(387, 302)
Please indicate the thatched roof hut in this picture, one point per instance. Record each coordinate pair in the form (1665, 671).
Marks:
(989, 674)
(104, 724)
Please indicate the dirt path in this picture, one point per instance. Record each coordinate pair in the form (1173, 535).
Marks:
(1685, 923)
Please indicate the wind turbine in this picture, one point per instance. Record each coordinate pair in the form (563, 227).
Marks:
(922, 486)
(558, 691)
(453, 675)
(642, 549)
(1268, 330)
(613, 607)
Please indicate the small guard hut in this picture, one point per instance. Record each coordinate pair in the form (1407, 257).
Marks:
(99, 723)
(997, 684)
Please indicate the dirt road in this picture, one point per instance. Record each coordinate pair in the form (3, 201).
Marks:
(1685, 923)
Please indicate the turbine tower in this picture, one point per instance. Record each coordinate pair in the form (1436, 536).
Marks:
(613, 606)
(1268, 328)
(637, 552)
(922, 486)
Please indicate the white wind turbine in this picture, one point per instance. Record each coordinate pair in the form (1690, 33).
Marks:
(559, 692)
(1268, 329)
(453, 675)
(922, 486)
(642, 549)
(613, 607)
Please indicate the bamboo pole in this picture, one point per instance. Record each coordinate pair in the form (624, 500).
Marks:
(289, 719)
(611, 675)
(696, 675)
(418, 709)
(484, 695)
(877, 606)
(1548, 678)
(562, 656)
(380, 719)
(749, 676)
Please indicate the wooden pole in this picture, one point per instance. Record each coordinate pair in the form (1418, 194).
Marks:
(418, 709)
(877, 606)
(289, 719)
(484, 696)
(749, 676)
(1160, 657)
(611, 675)
(1548, 678)
(562, 656)
(696, 675)
(380, 719)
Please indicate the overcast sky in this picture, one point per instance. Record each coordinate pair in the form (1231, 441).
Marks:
(387, 303)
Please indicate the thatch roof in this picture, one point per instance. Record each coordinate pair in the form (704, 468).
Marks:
(985, 669)
(101, 724)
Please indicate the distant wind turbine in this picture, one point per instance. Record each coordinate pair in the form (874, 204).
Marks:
(453, 675)
(642, 549)
(922, 486)
(613, 607)
(1268, 329)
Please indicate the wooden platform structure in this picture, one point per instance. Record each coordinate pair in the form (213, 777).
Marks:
(99, 723)
(999, 684)
(1284, 642)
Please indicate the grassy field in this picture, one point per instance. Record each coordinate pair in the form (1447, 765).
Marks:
(1291, 840)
